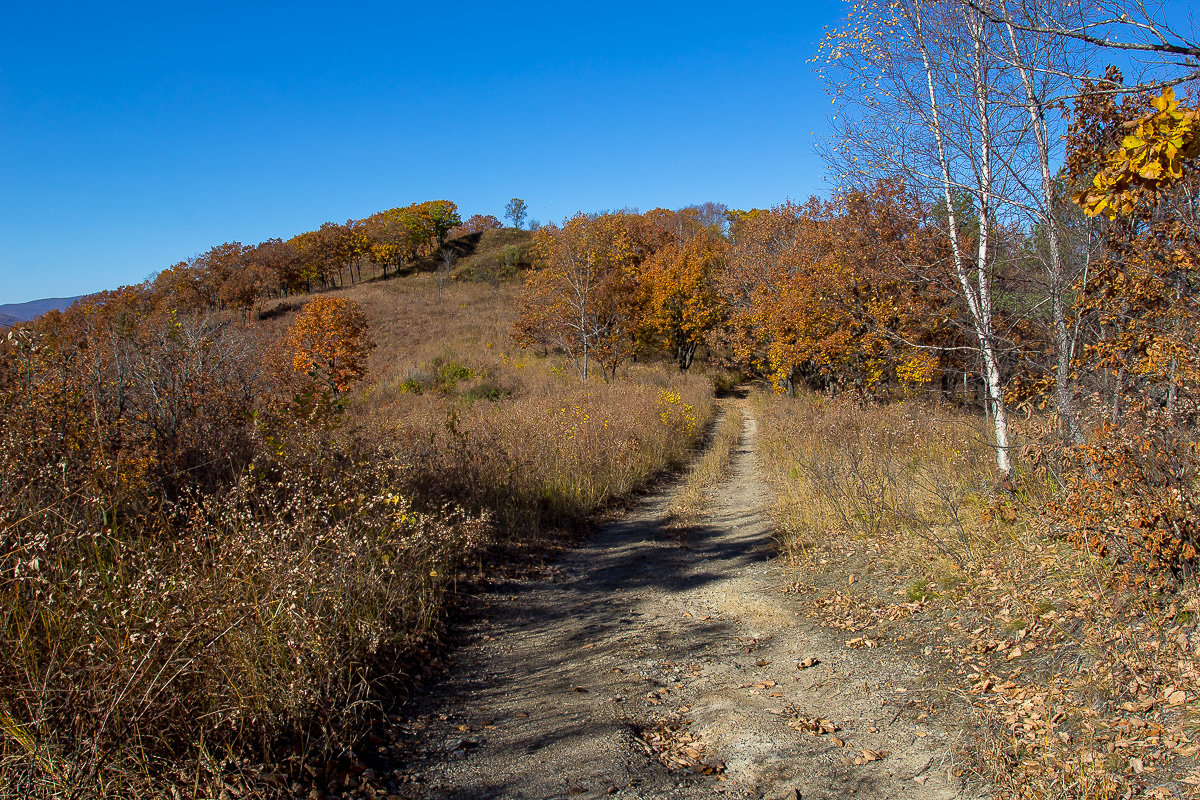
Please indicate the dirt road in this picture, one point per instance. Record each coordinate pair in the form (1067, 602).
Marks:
(649, 660)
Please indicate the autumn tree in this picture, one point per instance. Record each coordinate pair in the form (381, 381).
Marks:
(329, 342)
(439, 218)
(279, 257)
(394, 237)
(679, 294)
(584, 299)
(780, 293)
(1134, 495)
(214, 267)
(479, 223)
(179, 288)
(244, 287)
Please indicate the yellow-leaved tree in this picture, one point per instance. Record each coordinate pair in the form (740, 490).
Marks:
(680, 296)
(1152, 157)
(329, 342)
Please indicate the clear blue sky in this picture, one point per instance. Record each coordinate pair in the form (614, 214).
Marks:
(135, 136)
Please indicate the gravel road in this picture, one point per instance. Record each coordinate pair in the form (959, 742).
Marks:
(657, 666)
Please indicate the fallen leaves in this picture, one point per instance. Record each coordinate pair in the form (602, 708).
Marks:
(860, 642)
(676, 747)
(813, 725)
(1075, 678)
(866, 756)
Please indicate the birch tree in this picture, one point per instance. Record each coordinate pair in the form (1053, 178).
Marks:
(583, 301)
(1045, 66)
(921, 94)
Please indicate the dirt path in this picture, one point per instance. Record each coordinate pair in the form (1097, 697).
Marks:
(646, 651)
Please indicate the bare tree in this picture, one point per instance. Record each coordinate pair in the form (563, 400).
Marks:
(923, 95)
(1128, 26)
(445, 265)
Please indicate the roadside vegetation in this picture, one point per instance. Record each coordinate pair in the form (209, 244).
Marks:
(237, 500)
(226, 548)
(1082, 686)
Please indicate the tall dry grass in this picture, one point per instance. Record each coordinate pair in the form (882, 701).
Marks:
(1080, 685)
(553, 451)
(514, 431)
(166, 636)
(692, 497)
(909, 469)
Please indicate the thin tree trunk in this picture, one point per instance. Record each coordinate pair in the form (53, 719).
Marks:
(977, 296)
(1064, 389)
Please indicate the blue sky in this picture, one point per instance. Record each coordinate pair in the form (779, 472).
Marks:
(136, 136)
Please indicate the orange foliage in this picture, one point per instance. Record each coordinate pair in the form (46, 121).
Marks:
(477, 224)
(679, 293)
(1133, 498)
(584, 300)
(329, 341)
(1132, 490)
(820, 292)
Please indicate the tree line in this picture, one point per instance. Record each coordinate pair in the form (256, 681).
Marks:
(232, 275)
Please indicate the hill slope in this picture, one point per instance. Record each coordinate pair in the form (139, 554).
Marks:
(12, 313)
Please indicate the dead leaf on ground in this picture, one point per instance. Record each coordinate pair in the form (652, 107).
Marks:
(860, 642)
(867, 756)
(813, 725)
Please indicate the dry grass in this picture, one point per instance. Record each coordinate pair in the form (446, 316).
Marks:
(1080, 688)
(840, 469)
(187, 639)
(708, 470)
(509, 430)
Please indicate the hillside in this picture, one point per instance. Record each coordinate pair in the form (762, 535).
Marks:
(12, 313)
(367, 500)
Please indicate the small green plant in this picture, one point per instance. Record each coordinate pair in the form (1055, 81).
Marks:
(442, 376)
(919, 589)
(487, 391)
(449, 373)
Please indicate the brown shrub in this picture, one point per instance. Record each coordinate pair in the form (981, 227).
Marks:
(198, 566)
(1133, 495)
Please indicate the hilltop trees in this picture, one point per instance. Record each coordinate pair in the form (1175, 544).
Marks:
(236, 276)
(478, 223)
(515, 212)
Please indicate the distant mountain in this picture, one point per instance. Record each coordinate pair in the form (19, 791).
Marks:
(12, 313)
